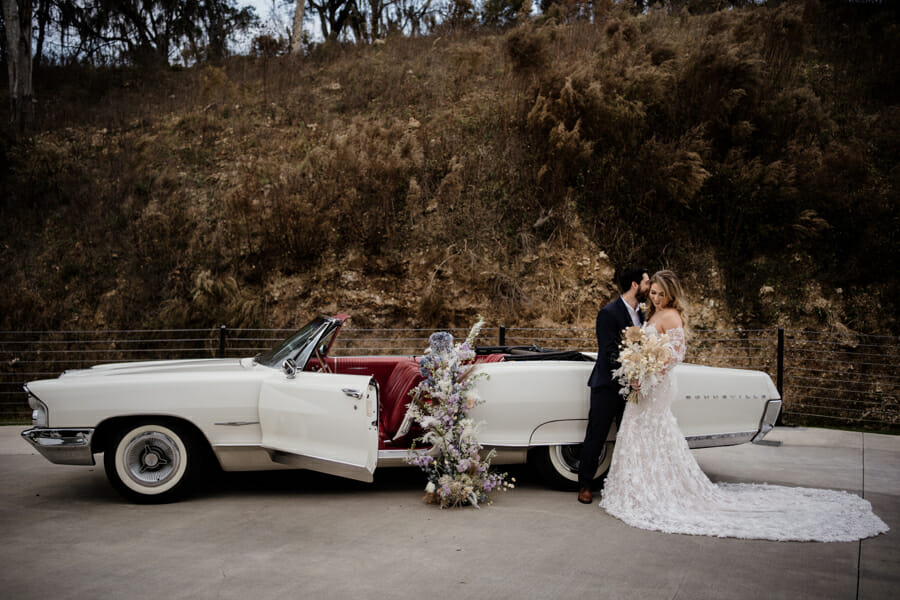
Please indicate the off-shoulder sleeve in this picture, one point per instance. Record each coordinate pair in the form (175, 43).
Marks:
(677, 344)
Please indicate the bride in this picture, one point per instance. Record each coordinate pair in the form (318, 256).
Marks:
(655, 483)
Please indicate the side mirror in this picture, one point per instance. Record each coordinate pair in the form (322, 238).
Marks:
(289, 367)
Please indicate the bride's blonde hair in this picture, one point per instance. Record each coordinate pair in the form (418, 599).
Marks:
(671, 287)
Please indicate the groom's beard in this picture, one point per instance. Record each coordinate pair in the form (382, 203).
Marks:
(641, 296)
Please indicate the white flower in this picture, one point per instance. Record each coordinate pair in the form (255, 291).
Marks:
(642, 359)
(445, 385)
(458, 474)
(433, 438)
(469, 429)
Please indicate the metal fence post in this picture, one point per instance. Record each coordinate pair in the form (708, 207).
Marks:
(222, 337)
(502, 335)
(779, 369)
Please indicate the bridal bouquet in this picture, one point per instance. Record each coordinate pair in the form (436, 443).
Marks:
(457, 473)
(643, 359)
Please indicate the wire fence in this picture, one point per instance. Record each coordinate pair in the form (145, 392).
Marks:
(834, 378)
(826, 379)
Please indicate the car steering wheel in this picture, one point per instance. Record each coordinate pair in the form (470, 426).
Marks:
(323, 366)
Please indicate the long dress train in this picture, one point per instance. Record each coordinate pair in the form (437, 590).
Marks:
(655, 483)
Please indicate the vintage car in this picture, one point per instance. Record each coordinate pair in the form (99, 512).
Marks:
(162, 424)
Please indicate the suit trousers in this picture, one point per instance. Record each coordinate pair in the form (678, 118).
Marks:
(606, 404)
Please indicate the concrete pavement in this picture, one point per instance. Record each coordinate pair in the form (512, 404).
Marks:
(280, 535)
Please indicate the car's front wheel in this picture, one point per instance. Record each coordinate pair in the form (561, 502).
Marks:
(558, 465)
(151, 462)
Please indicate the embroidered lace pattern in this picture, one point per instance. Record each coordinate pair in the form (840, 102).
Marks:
(655, 483)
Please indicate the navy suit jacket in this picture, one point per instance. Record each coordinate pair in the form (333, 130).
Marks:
(611, 320)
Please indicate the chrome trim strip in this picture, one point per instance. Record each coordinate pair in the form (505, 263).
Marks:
(323, 465)
(237, 423)
(511, 455)
(231, 445)
(65, 446)
(720, 439)
(245, 457)
(400, 453)
(397, 458)
(694, 441)
(392, 458)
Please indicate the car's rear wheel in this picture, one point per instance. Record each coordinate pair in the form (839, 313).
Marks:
(152, 462)
(558, 465)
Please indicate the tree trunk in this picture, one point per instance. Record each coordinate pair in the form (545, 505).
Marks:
(297, 32)
(17, 15)
(43, 16)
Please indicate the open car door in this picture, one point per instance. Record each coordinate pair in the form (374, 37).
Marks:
(321, 422)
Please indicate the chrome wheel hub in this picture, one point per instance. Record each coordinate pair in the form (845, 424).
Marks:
(569, 456)
(151, 458)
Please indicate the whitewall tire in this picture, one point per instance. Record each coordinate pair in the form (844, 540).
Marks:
(558, 465)
(152, 463)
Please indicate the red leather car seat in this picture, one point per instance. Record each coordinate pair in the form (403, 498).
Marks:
(395, 396)
(403, 378)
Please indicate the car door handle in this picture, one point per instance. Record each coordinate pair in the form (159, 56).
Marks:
(352, 393)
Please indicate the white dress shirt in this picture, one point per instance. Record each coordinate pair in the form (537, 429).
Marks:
(632, 311)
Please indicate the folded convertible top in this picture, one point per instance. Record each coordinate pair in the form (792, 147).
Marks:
(521, 353)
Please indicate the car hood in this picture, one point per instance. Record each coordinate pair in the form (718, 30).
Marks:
(163, 367)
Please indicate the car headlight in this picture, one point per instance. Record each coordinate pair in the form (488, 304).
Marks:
(39, 413)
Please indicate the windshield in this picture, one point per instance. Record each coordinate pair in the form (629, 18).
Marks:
(290, 347)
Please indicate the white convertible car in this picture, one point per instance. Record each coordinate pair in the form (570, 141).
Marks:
(161, 424)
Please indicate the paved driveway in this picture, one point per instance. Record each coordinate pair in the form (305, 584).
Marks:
(291, 535)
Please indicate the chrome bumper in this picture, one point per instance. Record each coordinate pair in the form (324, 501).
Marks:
(62, 446)
(770, 415)
(766, 424)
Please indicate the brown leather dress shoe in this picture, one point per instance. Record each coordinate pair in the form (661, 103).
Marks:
(585, 496)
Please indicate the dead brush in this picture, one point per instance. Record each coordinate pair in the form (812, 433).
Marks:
(346, 191)
(215, 299)
(528, 48)
(762, 134)
(509, 298)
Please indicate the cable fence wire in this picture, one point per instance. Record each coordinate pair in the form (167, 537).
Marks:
(30, 355)
(842, 380)
(828, 379)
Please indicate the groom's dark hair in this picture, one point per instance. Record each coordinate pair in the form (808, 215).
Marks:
(626, 276)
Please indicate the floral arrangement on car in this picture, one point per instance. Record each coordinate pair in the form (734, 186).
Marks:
(458, 474)
(643, 359)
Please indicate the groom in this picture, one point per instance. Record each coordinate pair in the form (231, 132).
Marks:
(606, 402)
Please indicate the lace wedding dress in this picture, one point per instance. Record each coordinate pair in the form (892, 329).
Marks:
(655, 483)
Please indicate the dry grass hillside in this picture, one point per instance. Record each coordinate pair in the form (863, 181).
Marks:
(424, 181)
